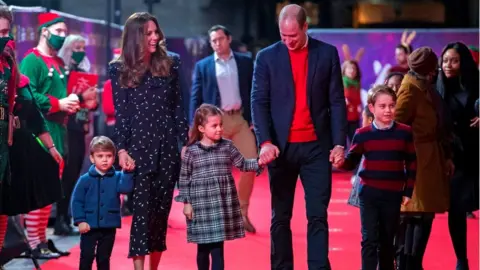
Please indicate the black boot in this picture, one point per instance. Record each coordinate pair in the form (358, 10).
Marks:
(63, 228)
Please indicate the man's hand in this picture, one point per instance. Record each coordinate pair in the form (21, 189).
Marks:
(188, 211)
(83, 227)
(268, 152)
(337, 156)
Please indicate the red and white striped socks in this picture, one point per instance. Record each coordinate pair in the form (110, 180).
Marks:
(36, 224)
(3, 229)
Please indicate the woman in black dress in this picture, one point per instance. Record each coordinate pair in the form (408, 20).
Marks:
(149, 121)
(458, 84)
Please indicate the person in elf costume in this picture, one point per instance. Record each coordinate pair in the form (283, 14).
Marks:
(48, 80)
(351, 76)
(18, 110)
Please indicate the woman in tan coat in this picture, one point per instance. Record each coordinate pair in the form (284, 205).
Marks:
(420, 106)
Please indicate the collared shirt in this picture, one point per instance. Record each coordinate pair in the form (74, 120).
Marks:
(385, 128)
(226, 72)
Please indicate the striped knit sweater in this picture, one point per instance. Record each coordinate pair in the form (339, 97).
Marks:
(390, 159)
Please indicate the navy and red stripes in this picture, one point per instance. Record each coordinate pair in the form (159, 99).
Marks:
(390, 159)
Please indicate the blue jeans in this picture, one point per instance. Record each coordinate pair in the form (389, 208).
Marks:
(379, 213)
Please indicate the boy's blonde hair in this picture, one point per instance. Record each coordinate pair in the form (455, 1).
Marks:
(102, 144)
(378, 90)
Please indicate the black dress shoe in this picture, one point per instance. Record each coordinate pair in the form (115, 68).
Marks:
(42, 252)
(53, 248)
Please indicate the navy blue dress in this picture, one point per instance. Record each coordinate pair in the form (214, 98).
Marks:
(149, 122)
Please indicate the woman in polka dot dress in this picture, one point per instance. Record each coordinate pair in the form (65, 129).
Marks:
(149, 121)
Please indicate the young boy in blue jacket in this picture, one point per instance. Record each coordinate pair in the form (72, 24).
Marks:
(96, 204)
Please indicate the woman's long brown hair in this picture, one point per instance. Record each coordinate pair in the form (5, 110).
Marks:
(200, 119)
(132, 58)
(8, 52)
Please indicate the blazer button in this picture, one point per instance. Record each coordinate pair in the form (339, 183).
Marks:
(101, 204)
(101, 218)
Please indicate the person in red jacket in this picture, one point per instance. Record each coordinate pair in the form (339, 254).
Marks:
(107, 102)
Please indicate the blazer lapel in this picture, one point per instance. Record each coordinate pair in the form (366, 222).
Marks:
(213, 75)
(312, 67)
(286, 68)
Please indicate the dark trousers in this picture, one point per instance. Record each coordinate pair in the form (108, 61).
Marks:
(379, 214)
(101, 241)
(71, 172)
(204, 251)
(311, 162)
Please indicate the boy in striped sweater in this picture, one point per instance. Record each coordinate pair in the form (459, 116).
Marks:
(387, 176)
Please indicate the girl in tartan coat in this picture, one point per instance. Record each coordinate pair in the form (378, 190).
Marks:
(207, 187)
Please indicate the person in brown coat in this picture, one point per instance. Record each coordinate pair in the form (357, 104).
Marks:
(421, 107)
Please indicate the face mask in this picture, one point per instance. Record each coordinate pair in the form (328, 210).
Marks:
(3, 42)
(78, 57)
(55, 41)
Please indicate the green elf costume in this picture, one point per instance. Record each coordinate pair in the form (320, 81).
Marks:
(48, 82)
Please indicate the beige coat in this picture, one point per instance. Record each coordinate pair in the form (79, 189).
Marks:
(416, 108)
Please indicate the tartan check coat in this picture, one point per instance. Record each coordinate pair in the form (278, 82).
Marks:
(207, 183)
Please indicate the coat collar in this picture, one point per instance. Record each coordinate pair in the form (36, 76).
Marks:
(94, 173)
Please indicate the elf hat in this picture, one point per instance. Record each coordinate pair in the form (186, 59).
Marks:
(48, 19)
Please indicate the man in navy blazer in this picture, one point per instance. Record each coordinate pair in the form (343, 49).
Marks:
(299, 118)
(224, 79)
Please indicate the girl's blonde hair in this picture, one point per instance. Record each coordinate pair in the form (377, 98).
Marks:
(358, 76)
(66, 52)
(200, 118)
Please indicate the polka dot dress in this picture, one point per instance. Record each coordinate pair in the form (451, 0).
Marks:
(150, 121)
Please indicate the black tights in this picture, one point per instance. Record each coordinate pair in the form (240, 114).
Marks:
(457, 225)
(203, 256)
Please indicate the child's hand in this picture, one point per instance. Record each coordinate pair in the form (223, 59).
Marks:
(188, 211)
(83, 227)
(405, 200)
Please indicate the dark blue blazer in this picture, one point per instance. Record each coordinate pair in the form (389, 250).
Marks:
(205, 87)
(273, 95)
(183, 84)
(96, 198)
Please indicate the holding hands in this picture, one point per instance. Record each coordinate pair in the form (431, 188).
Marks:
(268, 152)
(125, 161)
(337, 156)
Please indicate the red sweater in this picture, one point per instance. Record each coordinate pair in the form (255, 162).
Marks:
(107, 103)
(302, 129)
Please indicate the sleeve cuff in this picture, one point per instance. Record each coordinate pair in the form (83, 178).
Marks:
(182, 199)
(408, 192)
(79, 220)
(54, 104)
(265, 142)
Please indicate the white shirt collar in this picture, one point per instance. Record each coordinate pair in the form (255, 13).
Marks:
(216, 57)
(386, 128)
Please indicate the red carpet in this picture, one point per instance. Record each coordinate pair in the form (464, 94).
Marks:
(252, 252)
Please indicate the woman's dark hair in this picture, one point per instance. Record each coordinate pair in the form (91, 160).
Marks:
(132, 58)
(393, 74)
(468, 75)
(200, 118)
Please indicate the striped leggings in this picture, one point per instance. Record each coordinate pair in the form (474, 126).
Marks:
(36, 223)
